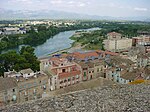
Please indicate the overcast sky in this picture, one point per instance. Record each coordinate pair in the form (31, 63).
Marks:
(115, 8)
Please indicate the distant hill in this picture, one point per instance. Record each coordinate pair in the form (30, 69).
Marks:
(52, 14)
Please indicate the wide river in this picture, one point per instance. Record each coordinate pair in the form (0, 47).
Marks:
(58, 42)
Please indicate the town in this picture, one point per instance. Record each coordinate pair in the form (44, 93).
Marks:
(74, 56)
(124, 61)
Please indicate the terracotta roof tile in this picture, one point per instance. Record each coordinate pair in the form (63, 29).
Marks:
(69, 74)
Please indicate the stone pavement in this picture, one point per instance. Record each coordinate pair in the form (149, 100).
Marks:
(120, 98)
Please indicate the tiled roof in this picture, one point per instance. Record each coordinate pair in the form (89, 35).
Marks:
(7, 83)
(111, 53)
(119, 60)
(86, 65)
(69, 74)
(144, 56)
(129, 75)
(85, 55)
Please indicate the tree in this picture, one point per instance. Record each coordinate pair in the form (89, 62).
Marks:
(18, 61)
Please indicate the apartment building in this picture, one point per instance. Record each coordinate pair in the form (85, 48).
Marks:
(141, 40)
(62, 72)
(30, 85)
(116, 43)
(33, 87)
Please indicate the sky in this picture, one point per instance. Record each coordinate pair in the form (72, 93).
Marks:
(115, 8)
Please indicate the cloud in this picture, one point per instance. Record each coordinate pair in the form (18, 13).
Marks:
(140, 9)
(21, 1)
(81, 4)
(56, 2)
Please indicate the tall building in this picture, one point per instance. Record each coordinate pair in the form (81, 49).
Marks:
(116, 43)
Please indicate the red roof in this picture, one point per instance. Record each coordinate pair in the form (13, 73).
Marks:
(68, 74)
(111, 53)
(84, 55)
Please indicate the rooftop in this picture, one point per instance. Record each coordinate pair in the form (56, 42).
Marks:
(26, 71)
(7, 83)
(69, 74)
(114, 34)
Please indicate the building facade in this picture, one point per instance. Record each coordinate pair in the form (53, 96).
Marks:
(116, 43)
(62, 73)
(8, 91)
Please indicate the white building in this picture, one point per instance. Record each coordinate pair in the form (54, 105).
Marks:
(27, 73)
(116, 43)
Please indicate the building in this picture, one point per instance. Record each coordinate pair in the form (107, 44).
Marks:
(30, 85)
(92, 69)
(141, 40)
(12, 74)
(90, 56)
(13, 30)
(116, 43)
(26, 73)
(8, 91)
(33, 87)
(142, 60)
(114, 35)
(62, 72)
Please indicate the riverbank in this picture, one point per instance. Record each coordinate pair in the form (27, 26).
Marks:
(90, 40)
(79, 44)
(59, 43)
(69, 50)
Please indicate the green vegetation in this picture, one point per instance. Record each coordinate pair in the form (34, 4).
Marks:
(92, 40)
(95, 39)
(18, 61)
(11, 41)
(44, 32)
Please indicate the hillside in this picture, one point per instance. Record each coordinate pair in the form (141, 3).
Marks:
(119, 98)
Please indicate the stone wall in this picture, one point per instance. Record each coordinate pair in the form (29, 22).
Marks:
(119, 98)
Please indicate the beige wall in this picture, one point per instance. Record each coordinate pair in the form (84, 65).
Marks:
(33, 89)
(117, 45)
(7, 96)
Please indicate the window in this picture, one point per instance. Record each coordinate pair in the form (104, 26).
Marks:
(63, 70)
(84, 74)
(13, 90)
(25, 93)
(97, 69)
(65, 80)
(44, 87)
(68, 79)
(61, 82)
(73, 78)
(34, 91)
(77, 76)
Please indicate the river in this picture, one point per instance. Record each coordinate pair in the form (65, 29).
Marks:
(58, 42)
